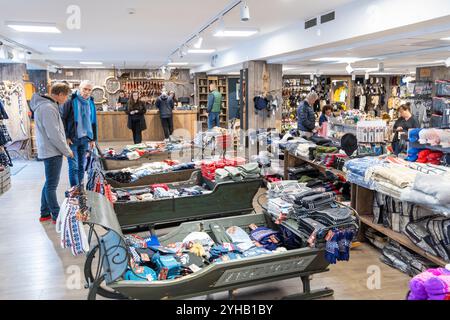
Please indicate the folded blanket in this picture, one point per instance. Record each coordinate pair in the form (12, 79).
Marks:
(397, 175)
(438, 187)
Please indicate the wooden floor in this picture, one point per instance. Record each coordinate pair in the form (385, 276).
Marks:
(34, 266)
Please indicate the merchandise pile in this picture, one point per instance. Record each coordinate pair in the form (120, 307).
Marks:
(69, 224)
(157, 191)
(433, 284)
(210, 167)
(425, 184)
(320, 220)
(394, 255)
(133, 174)
(150, 261)
(136, 151)
(429, 137)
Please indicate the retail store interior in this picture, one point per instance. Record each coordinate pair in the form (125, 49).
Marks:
(226, 149)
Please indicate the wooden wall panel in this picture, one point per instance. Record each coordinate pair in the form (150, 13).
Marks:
(112, 126)
(183, 86)
(264, 119)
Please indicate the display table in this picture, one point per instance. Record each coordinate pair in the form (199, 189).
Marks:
(112, 126)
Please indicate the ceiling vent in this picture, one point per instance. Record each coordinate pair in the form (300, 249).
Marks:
(327, 17)
(311, 23)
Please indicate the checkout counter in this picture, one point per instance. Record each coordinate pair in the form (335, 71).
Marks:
(112, 125)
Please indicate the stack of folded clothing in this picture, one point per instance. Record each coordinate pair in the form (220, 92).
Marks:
(278, 206)
(431, 234)
(398, 257)
(329, 160)
(356, 170)
(431, 190)
(250, 171)
(303, 149)
(324, 150)
(296, 173)
(282, 188)
(228, 174)
(432, 284)
(378, 239)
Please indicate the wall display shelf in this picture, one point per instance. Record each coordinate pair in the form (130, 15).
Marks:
(362, 202)
(203, 83)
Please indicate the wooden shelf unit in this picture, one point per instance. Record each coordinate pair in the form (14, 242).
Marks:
(202, 93)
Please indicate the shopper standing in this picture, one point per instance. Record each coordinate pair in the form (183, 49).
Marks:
(136, 117)
(122, 102)
(327, 112)
(80, 123)
(51, 145)
(173, 96)
(165, 105)
(306, 119)
(213, 107)
(405, 122)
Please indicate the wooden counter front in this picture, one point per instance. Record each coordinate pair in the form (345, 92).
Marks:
(112, 126)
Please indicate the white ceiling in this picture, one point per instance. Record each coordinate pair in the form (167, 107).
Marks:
(146, 39)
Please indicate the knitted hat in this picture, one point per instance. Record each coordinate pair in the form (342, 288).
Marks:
(349, 143)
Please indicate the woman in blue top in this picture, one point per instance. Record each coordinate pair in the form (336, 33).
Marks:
(327, 111)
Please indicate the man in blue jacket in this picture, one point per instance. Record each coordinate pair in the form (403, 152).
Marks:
(306, 119)
(80, 123)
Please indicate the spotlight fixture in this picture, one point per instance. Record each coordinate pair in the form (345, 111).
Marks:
(198, 43)
(245, 12)
(349, 69)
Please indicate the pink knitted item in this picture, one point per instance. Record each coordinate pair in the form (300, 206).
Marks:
(417, 283)
(438, 285)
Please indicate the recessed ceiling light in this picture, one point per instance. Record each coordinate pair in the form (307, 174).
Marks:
(91, 62)
(178, 64)
(33, 27)
(340, 59)
(446, 39)
(65, 49)
(201, 50)
(229, 32)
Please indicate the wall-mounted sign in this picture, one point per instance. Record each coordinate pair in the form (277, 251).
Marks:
(69, 73)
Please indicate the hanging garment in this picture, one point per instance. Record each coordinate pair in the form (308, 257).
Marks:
(362, 102)
(3, 114)
(15, 104)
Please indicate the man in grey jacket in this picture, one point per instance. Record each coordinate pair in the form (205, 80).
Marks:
(51, 145)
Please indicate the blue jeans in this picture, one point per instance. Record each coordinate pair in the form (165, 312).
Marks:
(213, 120)
(79, 148)
(49, 200)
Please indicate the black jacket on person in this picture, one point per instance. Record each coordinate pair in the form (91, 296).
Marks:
(411, 123)
(134, 118)
(68, 118)
(165, 105)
